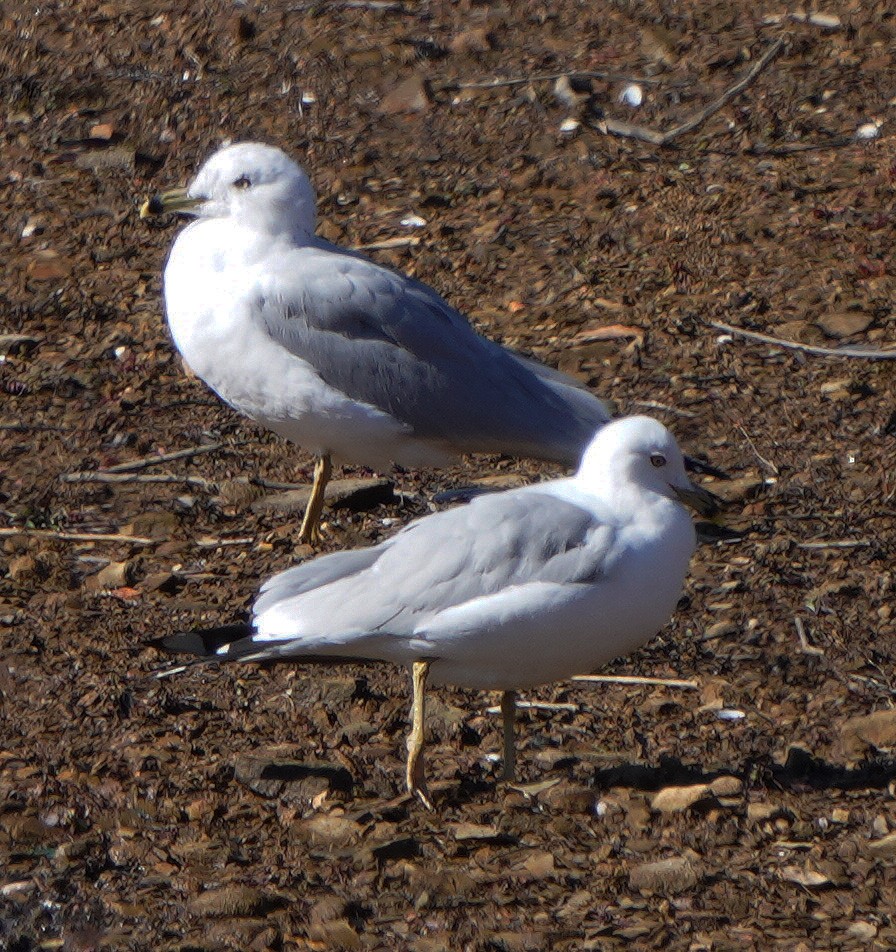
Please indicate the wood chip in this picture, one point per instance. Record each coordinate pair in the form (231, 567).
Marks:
(234, 900)
(676, 799)
(804, 876)
(357, 495)
(410, 95)
(845, 324)
(667, 877)
(868, 733)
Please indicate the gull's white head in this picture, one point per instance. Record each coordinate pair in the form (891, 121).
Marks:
(258, 184)
(640, 452)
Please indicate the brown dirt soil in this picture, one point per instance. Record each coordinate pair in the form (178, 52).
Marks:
(250, 808)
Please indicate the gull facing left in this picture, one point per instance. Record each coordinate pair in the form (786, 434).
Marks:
(335, 352)
(513, 590)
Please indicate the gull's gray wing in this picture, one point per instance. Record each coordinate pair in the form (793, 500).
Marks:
(313, 574)
(383, 603)
(493, 545)
(490, 544)
(390, 341)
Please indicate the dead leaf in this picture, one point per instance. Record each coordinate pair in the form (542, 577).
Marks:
(151, 525)
(884, 848)
(534, 789)
(659, 44)
(566, 797)
(49, 266)
(326, 829)
(335, 934)
(810, 878)
(760, 812)
(676, 799)
(114, 575)
(610, 332)
(869, 732)
(21, 566)
(473, 831)
(126, 593)
(727, 786)
(16, 343)
(356, 495)
(668, 877)
(410, 95)
(102, 130)
(476, 40)
(862, 930)
(232, 900)
(846, 324)
(540, 864)
(273, 773)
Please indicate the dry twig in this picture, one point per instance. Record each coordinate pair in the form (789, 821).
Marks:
(380, 6)
(826, 21)
(791, 148)
(551, 78)
(634, 679)
(836, 544)
(22, 427)
(536, 706)
(170, 672)
(388, 243)
(76, 536)
(769, 465)
(628, 130)
(221, 543)
(873, 682)
(278, 487)
(138, 464)
(868, 353)
(805, 647)
(104, 476)
(664, 407)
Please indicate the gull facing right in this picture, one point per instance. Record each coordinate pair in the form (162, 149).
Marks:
(511, 591)
(337, 353)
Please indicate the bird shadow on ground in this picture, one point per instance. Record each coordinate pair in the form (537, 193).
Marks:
(800, 772)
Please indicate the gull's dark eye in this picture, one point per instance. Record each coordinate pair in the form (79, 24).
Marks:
(657, 459)
(242, 182)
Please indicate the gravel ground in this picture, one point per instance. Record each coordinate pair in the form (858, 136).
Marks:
(247, 808)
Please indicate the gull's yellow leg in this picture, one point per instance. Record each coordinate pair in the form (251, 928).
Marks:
(508, 716)
(310, 531)
(415, 778)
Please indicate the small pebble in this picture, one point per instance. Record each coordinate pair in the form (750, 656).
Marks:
(632, 95)
(868, 130)
(565, 93)
(32, 226)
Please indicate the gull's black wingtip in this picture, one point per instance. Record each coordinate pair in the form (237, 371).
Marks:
(702, 468)
(708, 533)
(152, 206)
(203, 643)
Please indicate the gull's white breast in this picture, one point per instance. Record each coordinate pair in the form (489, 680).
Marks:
(213, 282)
(520, 639)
